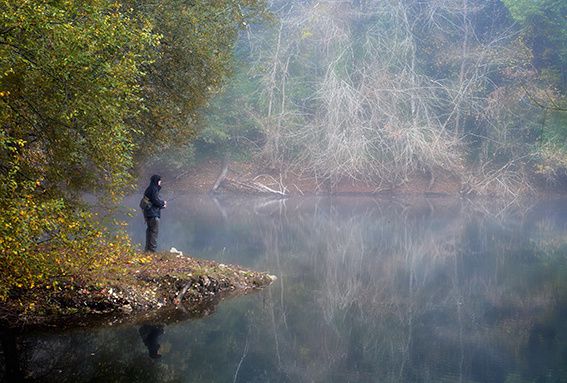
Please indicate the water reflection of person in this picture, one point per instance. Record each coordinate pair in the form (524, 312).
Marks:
(150, 336)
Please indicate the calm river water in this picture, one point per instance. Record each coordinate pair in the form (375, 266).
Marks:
(368, 290)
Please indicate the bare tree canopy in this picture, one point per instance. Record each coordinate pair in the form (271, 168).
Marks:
(382, 90)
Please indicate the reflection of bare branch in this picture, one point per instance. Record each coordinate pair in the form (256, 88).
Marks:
(244, 353)
(387, 278)
(381, 266)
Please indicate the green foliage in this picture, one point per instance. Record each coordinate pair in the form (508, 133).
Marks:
(544, 33)
(484, 73)
(84, 84)
(69, 80)
(177, 159)
(49, 244)
(544, 25)
(553, 148)
(198, 39)
(522, 9)
(229, 124)
(555, 127)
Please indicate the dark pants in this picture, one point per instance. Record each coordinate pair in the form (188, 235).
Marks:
(152, 233)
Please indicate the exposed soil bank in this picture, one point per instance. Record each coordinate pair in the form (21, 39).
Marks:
(161, 285)
(255, 178)
(252, 178)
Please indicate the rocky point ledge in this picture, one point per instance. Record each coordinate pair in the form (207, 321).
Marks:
(167, 285)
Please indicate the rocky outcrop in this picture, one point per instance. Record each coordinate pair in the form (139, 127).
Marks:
(165, 286)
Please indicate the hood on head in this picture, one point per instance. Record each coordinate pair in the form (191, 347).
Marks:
(154, 179)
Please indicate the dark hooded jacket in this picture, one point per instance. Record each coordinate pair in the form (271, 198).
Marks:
(152, 192)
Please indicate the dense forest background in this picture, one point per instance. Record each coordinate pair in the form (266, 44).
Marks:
(372, 90)
(382, 91)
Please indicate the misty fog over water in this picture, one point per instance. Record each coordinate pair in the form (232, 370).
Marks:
(368, 290)
(291, 97)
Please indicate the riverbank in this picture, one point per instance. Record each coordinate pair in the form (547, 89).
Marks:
(254, 178)
(151, 285)
(235, 177)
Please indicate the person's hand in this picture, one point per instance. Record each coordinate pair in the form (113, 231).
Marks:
(164, 204)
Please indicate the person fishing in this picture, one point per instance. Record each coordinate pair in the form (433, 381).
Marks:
(151, 206)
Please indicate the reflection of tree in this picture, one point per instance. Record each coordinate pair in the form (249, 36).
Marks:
(367, 290)
(12, 370)
(407, 289)
(84, 356)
